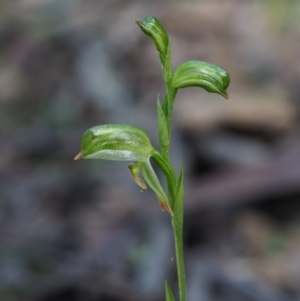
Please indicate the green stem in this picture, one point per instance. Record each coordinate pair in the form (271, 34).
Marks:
(171, 98)
(170, 91)
(177, 219)
(179, 259)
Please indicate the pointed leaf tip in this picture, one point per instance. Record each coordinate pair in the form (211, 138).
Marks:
(168, 292)
(225, 95)
(79, 156)
(164, 206)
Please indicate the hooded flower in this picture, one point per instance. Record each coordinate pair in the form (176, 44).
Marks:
(124, 143)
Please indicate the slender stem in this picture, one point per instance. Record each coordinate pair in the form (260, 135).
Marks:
(170, 91)
(171, 98)
(177, 219)
(179, 260)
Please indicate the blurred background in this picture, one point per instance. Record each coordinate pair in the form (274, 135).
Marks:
(82, 230)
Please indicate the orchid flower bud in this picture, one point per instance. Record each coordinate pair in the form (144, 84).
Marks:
(152, 28)
(210, 77)
(115, 142)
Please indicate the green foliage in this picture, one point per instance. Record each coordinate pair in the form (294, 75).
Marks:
(129, 143)
(162, 129)
(168, 292)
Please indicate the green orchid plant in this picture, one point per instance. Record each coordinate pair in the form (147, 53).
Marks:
(128, 143)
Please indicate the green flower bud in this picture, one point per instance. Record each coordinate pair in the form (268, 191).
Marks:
(210, 77)
(115, 142)
(152, 28)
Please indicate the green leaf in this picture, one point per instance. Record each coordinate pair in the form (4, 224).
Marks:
(152, 28)
(178, 206)
(162, 129)
(177, 223)
(168, 292)
(115, 142)
(169, 173)
(164, 106)
(210, 77)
